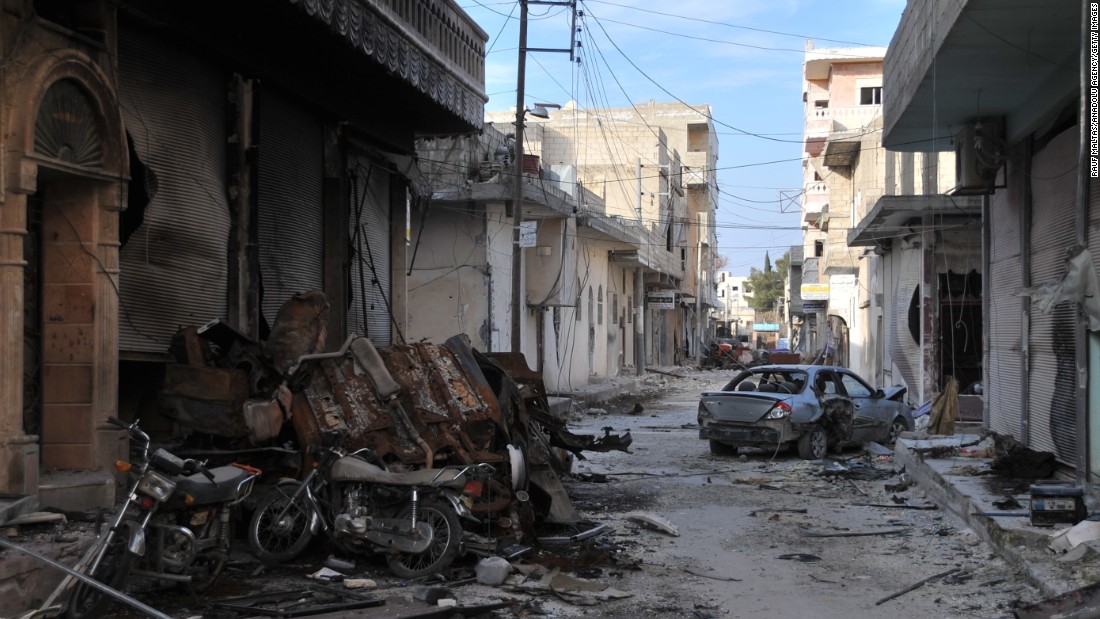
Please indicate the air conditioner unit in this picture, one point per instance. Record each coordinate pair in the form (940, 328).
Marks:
(979, 155)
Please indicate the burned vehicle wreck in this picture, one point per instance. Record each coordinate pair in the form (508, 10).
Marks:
(408, 408)
(816, 408)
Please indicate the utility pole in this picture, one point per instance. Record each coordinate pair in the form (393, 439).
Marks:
(517, 194)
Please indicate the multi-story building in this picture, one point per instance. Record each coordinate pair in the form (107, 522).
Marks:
(885, 256)
(841, 173)
(650, 169)
(734, 315)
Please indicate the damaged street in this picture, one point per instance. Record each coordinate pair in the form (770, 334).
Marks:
(676, 532)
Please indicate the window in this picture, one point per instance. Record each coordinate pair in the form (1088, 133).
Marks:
(821, 104)
(591, 307)
(854, 387)
(819, 249)
(599, 305)
(615, 309)
(870, 95)
(577, 309)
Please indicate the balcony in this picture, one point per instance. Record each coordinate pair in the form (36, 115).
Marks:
(815, 201)
(821, 122)
(432, 45)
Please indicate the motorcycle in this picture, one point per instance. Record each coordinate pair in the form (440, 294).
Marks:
(411, 517)
(174, 525)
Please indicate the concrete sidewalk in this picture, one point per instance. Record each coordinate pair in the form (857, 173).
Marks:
(964, 486)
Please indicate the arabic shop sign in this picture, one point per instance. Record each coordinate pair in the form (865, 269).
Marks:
(815, 292)
(661, 300)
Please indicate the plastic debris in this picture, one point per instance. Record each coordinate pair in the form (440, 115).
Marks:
(492, 571)
(653, 521)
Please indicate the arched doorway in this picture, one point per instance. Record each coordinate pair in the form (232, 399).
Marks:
(61, 274)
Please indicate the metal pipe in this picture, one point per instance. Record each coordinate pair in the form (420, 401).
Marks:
(122, 597)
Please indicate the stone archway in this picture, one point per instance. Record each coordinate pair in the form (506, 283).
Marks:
(67, 167)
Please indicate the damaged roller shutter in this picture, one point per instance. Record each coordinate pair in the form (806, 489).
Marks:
(291, 174)
(371, 299)
(1052, 375)
(173, 264)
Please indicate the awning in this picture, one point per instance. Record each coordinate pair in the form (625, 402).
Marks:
(895, 216)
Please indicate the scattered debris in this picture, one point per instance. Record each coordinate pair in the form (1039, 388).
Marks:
(917, 585)
(711, 574)
(800, 556)
(299, 603)
(1007, 503)
(653, 521)
(492, 571)
(876, 449)
(1019, 461)
(905, 480)
(792, 511)
(1083, 602)
(1084, 531)
(807, 532)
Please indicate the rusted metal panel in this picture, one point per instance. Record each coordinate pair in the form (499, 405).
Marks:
(451, 409)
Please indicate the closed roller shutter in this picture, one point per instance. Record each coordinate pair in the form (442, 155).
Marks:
(1052, 375)
(291, 233)
(174, 265)
(1004, 311)
(904, 349)
(371, 299)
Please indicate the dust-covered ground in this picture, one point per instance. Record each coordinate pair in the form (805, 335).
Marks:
(754, 535)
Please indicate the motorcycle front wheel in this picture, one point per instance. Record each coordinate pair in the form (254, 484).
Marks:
(114, 568)
(279, 530)
(446, 538)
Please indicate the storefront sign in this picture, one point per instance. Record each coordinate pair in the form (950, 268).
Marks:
(661, 300)
(815, 292)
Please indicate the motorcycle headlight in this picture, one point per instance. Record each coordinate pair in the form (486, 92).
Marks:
(156, 486)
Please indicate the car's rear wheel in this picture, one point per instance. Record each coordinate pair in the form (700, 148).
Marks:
(813, 444)
(719, 448)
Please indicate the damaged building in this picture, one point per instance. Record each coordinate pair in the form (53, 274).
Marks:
(169, 163)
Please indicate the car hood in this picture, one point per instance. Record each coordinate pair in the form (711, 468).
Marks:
(739, 407)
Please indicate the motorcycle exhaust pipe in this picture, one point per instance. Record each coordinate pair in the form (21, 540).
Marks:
(387, 389)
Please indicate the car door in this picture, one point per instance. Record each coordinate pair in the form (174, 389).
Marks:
(836, 409)
(870, 417)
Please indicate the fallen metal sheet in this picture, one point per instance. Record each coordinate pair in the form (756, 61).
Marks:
(556, 540)
(299, 603)
(402, 608)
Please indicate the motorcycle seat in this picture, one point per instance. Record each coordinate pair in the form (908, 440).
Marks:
(223, 489)
(357, 469)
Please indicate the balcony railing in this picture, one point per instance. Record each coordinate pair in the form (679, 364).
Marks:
(823, 121)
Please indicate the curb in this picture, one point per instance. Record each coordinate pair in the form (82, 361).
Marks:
(967, 496)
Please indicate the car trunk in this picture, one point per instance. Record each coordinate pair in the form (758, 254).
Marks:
(740, 407)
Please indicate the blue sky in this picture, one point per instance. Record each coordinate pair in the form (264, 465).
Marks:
(743, 57)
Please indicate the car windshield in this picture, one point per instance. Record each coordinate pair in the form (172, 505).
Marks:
(769, 380)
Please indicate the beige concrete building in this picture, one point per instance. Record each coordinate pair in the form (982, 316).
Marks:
(651, 172)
